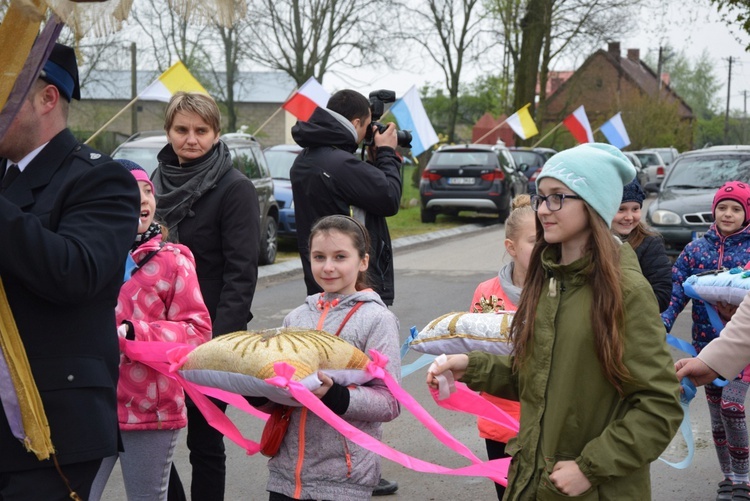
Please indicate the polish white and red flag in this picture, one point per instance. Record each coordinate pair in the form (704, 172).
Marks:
(306, 99)
(578, 125)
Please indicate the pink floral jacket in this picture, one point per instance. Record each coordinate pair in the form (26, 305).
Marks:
(163, 302)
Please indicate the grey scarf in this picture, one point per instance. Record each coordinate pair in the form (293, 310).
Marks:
(178, 187)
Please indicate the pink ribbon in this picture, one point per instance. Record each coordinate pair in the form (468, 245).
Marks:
(497, 469)
(160, 356)
(167, 358)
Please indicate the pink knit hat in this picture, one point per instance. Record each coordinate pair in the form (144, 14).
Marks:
(736, 191)
(138, 172)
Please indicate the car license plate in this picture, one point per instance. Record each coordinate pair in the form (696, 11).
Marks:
(461, 180)
(698, 234)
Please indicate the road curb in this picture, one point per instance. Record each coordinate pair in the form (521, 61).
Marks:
(293, 266)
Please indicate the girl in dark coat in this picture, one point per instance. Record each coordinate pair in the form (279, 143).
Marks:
(648, 246)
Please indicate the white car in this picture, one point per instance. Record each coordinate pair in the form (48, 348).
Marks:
(653, 165)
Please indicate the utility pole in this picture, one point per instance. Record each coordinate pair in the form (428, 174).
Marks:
(744, 118)
(729, 93)
(133, 89)
(659, 66)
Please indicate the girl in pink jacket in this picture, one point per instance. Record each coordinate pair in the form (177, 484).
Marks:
(160, 301)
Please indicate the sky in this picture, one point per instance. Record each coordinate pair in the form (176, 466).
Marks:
(688, 25)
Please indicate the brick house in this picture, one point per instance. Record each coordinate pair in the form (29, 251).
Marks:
(258, 95)
(607, 83)
(488, 131)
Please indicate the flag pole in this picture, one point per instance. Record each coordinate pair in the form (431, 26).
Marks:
(277, 111)
(553, 129)
(127, 106)
(268, 120)
(492, 130)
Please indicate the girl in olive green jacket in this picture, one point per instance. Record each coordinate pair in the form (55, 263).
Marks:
(598, 392)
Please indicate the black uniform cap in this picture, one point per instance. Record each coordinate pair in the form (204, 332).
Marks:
(61, 70)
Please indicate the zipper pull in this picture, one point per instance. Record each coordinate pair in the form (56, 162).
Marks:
(552, 287)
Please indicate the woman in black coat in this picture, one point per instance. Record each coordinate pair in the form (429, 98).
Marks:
(213, 209)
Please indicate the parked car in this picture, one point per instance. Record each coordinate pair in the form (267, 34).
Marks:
(653, 164)
(641, 174)
(530, 161)
(470, 177)
(667, 154)
(682, 210)
(280, 159)
(247, 157)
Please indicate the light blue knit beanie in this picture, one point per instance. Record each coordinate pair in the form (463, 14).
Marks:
(596, 172)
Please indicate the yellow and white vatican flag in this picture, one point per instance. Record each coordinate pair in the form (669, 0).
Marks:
(176, 78)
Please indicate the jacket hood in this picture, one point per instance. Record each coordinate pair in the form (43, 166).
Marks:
(365, 296)
(326, 128)
(713, 235)
(505, 276)
(146, 247)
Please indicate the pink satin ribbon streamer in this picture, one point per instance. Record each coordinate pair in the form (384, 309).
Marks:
(166, 358)
(161, 356)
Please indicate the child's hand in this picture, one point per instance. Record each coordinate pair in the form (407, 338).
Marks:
(455, 363)
(569, 479)
(327, 383)
(725, 310)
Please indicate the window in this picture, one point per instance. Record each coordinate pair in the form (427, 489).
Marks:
(244, 160)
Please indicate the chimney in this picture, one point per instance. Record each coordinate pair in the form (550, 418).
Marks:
(634, 55)
(614, 49)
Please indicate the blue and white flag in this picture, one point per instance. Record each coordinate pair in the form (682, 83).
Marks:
(410, 115)
(614, 130)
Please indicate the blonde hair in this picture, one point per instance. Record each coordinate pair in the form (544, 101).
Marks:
(606, 309)
(520, 207)
(197, 103)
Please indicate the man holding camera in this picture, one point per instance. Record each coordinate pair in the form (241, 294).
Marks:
(328, 178)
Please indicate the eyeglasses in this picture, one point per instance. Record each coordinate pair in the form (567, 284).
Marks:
(554, 202)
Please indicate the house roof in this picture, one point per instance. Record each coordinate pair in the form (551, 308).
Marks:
(633, 69)
(250, 87)
(554, 80)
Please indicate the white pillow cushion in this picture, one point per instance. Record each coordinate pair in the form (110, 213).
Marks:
(728, 286)
(241, 361)
(461, 332)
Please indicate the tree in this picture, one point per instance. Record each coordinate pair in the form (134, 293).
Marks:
(213, 51)
(735, 13)
(164, 36)
(507, 12)
(535, 27)
(447, 30)
(306, 38)
(695, 82)
(550, 28)
(654, 122)
(233, 46)
(485, 95)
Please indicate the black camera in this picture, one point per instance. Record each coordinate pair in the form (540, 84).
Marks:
(378, 99)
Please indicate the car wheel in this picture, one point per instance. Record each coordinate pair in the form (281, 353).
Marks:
(427, 215)
(269, 242)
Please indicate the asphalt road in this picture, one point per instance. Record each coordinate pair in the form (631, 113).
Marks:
(433, 278)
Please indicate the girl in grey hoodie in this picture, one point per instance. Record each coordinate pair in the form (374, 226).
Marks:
(314, 460)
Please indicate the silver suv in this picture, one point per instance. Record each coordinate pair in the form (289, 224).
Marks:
(247, 157)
